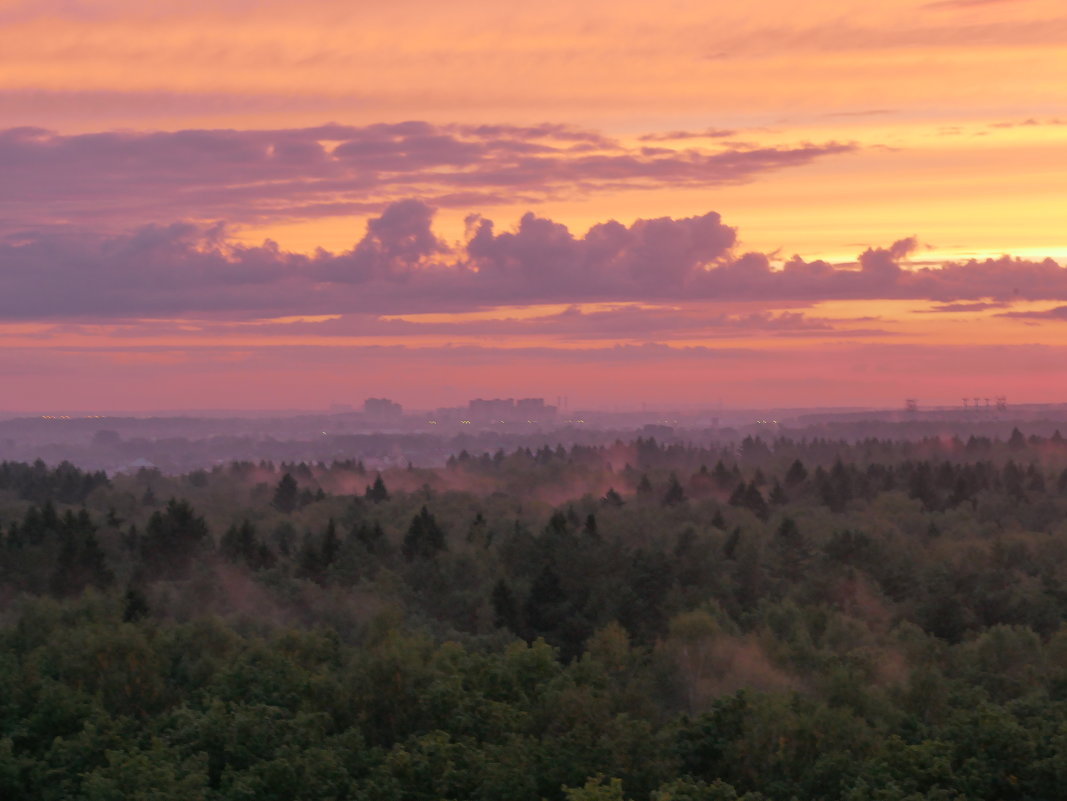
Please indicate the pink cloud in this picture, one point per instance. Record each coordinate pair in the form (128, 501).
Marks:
(400, 265)
(1057, 313)
(100, 179)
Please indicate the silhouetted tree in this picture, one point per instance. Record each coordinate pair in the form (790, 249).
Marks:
(286, 494)
(1017, 441)
(674, 494)
(377, 492)
(424, 538)
(796, 474)
(173, 538)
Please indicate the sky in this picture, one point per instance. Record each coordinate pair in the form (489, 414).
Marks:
(277, 205)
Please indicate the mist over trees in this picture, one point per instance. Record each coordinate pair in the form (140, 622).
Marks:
(782, 619)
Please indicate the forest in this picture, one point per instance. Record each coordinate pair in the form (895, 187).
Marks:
(869, 620)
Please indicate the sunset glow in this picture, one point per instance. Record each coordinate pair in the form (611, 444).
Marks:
(281, 205)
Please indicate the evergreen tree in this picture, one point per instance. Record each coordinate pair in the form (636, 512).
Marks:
(309, 561)
(239, 543)
(791, 548)
(286, 494)
(1017, 441)
(674, 494)
(331, 544)
(377, 492)
(546, 604)
(173, 538)
(371, 536)
(748, 496)
(644, 486)
(80, 564)
(505, 607)
(424, 539)
(754, 501)
(796, 474)
(737, 497)
(723, 477)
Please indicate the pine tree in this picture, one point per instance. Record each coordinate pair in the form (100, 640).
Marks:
(377, 492)
(371, 536)
(753, 500)
(737, 497)
(723, 477)
(331, 545)
(545, 607)
(424, 538)
(173, 538)
(309, 560)
(505, 607)
(1017, 441)
(286, 494)
(239, 543)
(796, 474)
(674, 494)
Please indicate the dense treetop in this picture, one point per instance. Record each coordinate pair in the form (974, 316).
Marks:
(789, 619)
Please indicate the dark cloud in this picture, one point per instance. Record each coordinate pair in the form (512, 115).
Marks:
(1057, 313)
(401, 266)
(101, 179)
(575, 324)
(707, 133)
(952, 308)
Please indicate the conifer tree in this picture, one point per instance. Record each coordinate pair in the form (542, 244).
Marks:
(674, 494)
(377, 492)
(286, 494)
(424, 538)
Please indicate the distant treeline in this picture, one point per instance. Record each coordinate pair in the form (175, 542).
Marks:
(812, 620)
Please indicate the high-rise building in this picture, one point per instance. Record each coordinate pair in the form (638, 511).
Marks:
(382, 409)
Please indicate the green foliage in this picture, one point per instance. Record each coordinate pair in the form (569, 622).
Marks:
(870, 621)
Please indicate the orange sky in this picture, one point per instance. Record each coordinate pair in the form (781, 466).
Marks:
(820, 129)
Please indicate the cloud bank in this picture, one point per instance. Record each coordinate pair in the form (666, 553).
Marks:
(330, 170)
(401, 266)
